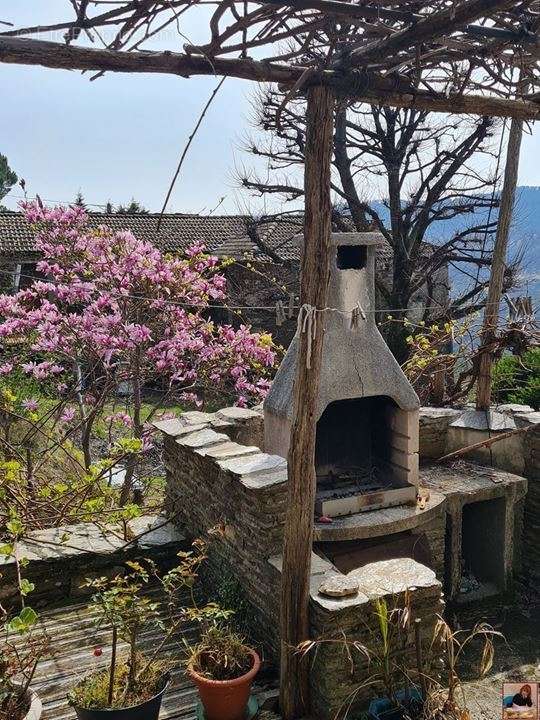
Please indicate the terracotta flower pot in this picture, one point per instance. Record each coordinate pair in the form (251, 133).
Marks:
(226, 699)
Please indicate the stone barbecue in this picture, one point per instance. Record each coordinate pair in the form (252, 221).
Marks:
(395, 531)
(367, 427)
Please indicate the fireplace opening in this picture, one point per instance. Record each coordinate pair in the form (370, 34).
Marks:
(358, 453)
(353, 442)
(483, 532)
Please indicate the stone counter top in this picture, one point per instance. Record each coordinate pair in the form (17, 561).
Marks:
(463, 480)
(378, 523)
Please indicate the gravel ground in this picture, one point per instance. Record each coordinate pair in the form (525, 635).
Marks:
(517, 658)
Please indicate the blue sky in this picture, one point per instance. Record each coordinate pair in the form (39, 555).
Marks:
(120, 136)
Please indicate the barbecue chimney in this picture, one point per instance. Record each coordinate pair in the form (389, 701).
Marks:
(367, 421)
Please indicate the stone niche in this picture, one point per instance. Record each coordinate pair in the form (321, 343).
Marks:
(212, 479)
(507, 505)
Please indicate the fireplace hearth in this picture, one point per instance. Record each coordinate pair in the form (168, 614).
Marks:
(367, 429)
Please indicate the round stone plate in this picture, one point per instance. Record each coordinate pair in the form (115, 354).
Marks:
(252, 709)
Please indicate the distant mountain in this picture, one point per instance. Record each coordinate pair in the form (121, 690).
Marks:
(524, 238)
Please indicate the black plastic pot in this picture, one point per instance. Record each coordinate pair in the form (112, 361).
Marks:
(148, 710)
(384, 709)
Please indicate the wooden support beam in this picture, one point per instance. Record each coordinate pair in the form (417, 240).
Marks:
(369, 87)
(315, 273)
(498, 265)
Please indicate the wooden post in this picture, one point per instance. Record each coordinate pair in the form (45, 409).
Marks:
(498, 265)
(294, 690)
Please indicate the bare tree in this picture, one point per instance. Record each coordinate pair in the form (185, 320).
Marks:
(429, 168)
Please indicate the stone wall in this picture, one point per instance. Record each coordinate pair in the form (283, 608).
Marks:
(530, 556)
(214, 480)
(339, 670)
(59, 560)
(444, 430)
(434, 423)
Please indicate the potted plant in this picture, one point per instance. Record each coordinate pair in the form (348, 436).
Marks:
(220, 663)
(223, 668)
(132, 686)
(415, 691)
(22, 648)
(402, 700)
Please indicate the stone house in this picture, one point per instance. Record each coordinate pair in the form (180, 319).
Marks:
(256, 279)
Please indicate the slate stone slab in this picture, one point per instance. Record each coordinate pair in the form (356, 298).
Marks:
(237, 414)
(390, 577)
(202, 438)
(156, 533)
(260, 463)
(339, 586)
(484, 420)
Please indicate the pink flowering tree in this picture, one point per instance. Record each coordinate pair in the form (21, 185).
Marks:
(113, 315)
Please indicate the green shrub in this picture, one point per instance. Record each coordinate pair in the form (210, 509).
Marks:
(516, 379)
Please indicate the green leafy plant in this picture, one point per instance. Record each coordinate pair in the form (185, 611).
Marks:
(221, 653)
(23, 646)
(516, 379)
(123, 604)
(126, 605)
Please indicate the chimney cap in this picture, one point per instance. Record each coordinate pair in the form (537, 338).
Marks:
(350, 238)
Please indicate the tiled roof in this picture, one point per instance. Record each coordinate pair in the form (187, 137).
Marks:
(225, 235)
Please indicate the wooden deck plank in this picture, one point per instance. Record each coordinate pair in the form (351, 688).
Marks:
(73, 638)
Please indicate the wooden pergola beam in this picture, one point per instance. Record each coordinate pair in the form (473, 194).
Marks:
(359, 85)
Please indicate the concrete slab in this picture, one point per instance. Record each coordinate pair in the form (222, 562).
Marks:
(378, 523)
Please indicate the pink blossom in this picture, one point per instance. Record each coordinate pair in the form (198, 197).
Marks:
(67, 415)
(113, 308)
(30, 404)
(120, 417)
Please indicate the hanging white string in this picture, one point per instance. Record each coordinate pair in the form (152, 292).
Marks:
(307, 323)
